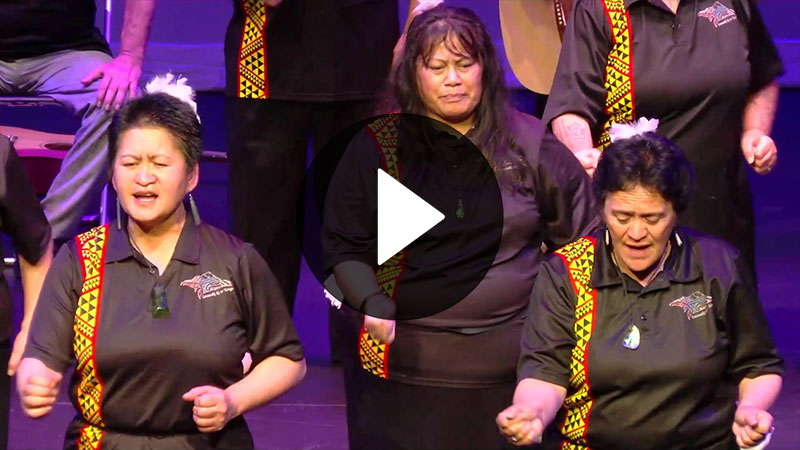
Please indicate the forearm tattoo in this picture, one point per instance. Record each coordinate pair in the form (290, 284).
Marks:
(573, 131)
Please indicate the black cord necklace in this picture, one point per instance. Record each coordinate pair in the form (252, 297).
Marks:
(158, 296)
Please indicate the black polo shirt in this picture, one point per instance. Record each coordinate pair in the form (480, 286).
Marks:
(313, 50)
(474, 342)
(37, 27)
(693, 71)
(223, 301)
(678, 389)
(22, 219)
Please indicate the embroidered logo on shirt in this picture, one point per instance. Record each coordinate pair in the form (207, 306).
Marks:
(208, 285)
(718, 14)
(695, 305)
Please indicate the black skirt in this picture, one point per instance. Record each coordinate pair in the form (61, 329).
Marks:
(390, 414)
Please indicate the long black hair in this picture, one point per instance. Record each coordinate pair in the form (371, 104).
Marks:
(463, 33)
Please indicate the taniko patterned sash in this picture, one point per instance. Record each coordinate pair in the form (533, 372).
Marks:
(579, 259)
(619, 105)
(252, 66)
(91, 246)
(374, 355)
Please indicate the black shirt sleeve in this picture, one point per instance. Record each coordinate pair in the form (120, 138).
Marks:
(564, 194)
(270, 330)
(578, 86)
(548, 337)
(351, 206)
(51, 332)
(752, 349)
(765, 62)
(22, 217)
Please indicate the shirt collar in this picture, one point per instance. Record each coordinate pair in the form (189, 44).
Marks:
(679, 267)
(187, 249)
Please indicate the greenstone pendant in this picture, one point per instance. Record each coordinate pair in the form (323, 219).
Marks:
(460, 209)
(631, 341)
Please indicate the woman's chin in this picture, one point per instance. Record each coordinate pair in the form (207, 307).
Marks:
(146, 222)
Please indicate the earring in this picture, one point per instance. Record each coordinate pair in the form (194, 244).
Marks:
(193, 207)
(608, 237)
(119, 216)
(678, 239)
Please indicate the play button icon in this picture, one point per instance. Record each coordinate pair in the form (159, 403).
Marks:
(402, 216)
(404, 206)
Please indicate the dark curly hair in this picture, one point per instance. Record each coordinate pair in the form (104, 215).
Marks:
(647, 160)
(160, 111)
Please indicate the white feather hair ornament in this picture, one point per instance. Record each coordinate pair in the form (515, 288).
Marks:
(630, 129)
(174, 86)
(425, 5)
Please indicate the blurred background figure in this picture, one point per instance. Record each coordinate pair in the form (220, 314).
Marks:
(22, 219)
(53, 49)
(297, 72)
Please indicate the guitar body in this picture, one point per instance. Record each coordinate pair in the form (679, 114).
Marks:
(532, 39)
(40, 152)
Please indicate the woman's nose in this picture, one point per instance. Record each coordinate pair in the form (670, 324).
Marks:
(637, 231)
(144, 175)
(452, 77)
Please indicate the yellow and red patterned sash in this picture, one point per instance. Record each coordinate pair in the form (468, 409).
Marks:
(579, 259)
(252, 65)
(374, 355)
(91, 247)
(619, 70)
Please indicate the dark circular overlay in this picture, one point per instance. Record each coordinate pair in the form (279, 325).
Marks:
(338, 211)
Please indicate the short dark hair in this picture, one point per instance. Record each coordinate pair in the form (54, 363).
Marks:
(646, 160)
(164, 111)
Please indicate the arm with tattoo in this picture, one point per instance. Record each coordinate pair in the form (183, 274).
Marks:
(573, 131)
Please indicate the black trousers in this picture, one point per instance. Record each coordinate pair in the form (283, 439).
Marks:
(268, 142)
(5, 392)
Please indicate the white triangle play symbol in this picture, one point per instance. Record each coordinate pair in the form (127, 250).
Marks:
(402, 216)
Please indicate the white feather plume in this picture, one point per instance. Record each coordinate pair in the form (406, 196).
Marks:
(425, 5)
(630, 129)
(174, 86)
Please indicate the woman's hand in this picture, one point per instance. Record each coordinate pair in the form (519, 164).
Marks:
(213, 408)
(751, 425)
(760, 151)
(521, 424)
(37, 385)
(380, 329)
